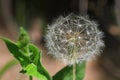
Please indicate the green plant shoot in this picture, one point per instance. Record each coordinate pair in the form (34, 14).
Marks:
(28, 55)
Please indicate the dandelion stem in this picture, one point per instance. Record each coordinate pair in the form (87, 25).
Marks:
(74, 58)
(74, 71)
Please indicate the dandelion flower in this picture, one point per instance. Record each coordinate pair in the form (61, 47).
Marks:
(73, 39)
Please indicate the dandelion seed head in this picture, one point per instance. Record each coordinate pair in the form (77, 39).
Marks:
(73, 39)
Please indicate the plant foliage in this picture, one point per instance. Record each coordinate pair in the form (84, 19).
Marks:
(28, 55)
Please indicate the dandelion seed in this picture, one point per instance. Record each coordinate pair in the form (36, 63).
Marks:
(74, 38)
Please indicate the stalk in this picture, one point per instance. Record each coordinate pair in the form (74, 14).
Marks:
(74, 57)
(30, 78)
(7, 67)
(74, 71)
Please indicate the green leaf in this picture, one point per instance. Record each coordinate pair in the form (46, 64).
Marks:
(28, 55)
(66, 73)
(36, 57)
(14, 49)
(32, 70)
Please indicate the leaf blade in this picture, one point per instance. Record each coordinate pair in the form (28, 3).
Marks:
(66, 73)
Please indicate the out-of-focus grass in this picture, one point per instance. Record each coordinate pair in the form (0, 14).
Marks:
(7, 67)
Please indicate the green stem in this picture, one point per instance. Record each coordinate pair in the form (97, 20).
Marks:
(7, 67)
(74, 57)
(74, 71)
(30, 78)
